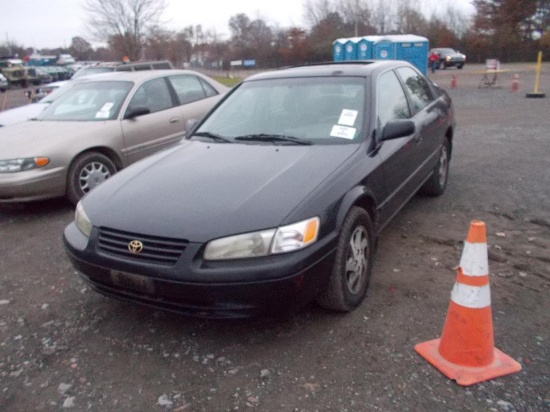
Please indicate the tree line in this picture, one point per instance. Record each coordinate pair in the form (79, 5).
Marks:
(510, 30)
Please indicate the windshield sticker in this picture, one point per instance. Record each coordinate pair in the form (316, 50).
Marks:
(343, 131)
(348, 117)
(104, 112)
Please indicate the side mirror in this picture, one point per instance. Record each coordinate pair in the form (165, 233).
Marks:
(189, 126)
(137, 111)
(395, 129)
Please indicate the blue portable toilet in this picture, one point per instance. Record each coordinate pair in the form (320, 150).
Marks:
(350, 49)
(384, 49)
(413, 49)
(364, 48)
(338, 50)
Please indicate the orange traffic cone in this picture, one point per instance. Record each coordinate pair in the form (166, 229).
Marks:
(465, 352)
(453, 82)
(515, 83)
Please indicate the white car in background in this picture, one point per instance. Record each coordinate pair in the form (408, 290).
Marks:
(3, 83)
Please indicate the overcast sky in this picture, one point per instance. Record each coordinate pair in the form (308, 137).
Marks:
(53, 23)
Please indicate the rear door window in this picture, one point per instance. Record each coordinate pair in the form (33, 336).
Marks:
(189, 88)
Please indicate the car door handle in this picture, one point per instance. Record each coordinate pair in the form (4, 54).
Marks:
(174, 120)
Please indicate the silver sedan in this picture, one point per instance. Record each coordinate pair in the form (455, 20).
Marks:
(98, 127)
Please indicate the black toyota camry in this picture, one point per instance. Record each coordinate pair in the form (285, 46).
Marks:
(275, 198)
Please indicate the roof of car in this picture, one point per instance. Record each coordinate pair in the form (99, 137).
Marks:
(361, 68)
(135, 76)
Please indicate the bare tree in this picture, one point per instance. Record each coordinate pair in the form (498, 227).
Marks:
(318, 10)
(383, 15)
(123, 23)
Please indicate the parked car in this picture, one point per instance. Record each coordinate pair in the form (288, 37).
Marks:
(98, 126)
(449, 58)
(91, 70)
(43, 75)
(127, 67)
(275, 198)
(4, 84)
(14, 71)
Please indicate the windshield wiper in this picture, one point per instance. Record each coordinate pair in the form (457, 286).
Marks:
(265, 137)
(213, 136)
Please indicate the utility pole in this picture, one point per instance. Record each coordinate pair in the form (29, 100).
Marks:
(9, 44)
(356, 34)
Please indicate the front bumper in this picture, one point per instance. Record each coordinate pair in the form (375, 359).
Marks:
(230, 289)
(32, 185)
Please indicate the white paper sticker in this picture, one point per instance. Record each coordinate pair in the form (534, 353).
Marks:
(102, 115)
(106, 107)
(348, 117)
(343, 131)
(104, 112)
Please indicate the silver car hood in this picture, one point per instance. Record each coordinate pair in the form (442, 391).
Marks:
(47, 138)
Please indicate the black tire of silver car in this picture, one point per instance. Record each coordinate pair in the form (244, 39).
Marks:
(86, 172)
(437, 183)
(460, 66)
(352, 264)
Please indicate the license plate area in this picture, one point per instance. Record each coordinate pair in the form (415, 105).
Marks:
(133, 282)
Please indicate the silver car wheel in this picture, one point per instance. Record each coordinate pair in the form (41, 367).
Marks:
(356, 262)
(92, 175)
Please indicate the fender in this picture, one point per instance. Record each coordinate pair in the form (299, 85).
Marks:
(360, 196)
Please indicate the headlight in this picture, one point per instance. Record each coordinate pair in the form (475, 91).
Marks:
(273, 241)
(82, 221)
(19, 165)
(448, 58)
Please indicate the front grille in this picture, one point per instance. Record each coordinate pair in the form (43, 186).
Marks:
(158, 250)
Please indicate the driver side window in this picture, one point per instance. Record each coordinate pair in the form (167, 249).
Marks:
(391, 101)
(153, 95)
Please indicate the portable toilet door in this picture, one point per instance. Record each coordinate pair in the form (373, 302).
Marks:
(364, 49)
(338, 50)
(350, 49)
(413, 49)
(384, 50)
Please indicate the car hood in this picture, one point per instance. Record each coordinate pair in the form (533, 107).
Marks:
(201, 191)
(43, 138)
(20, 114)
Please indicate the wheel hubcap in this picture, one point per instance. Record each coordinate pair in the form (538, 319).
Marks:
(92, 175)
(356, 262)
(443, 166)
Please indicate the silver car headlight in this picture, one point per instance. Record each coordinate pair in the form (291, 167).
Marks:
(19, 165)
(82, 221)
(272, 241)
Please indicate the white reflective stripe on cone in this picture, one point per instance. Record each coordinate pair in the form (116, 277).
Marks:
(474, 260)
(473, 297)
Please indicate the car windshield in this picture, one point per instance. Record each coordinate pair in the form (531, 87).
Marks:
(89, 101)
(312, 110)
(446, 51)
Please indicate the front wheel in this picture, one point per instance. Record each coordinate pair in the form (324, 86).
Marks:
(86, 172)
(437, 183)
(352, 269)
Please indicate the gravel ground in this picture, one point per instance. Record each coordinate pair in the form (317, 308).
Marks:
(64, 347)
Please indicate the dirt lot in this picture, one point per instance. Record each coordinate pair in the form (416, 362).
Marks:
(64, 347)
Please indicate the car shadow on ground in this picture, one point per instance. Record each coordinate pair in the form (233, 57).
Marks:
(43, 207)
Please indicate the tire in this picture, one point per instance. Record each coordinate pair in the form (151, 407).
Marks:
(86, 172)
(437, 183)
(460, 66)
(353, 263)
